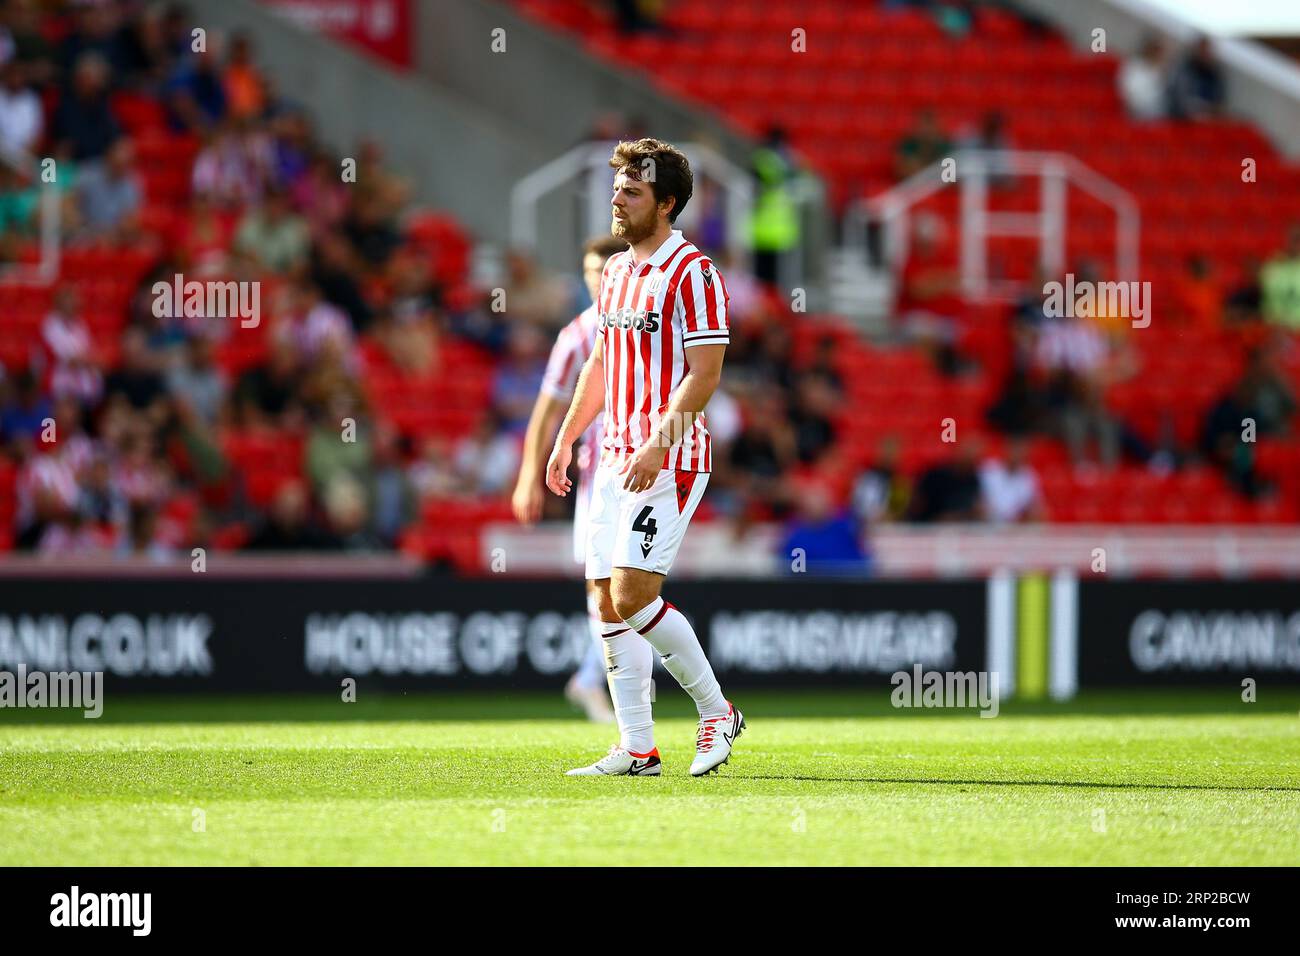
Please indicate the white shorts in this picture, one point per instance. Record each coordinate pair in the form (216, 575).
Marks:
(580, 508)
(643, 529)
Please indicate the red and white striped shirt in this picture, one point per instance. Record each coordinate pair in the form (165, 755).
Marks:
(572, 348)
(651, 313)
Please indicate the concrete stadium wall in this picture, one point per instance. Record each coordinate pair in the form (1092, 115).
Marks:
(544, 82)
(457, 155)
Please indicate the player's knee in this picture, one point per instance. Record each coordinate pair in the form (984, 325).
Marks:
(599, 596)
(630, 597)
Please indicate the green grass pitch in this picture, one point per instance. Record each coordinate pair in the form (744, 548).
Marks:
(818, 778)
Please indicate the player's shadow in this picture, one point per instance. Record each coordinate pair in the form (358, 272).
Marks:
(1097, 785)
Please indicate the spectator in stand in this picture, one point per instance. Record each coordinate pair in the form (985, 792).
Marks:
(930, 306)
(634, 16)
(764, 359)
(205, 240)
(487, 460)
(242, 81)
(320, 195)
(519, 378)
(234, 167)
(266, 395)
(1223, 440)
(273, 236)
(84, 127)
(289, 527)
(1244, 302)
(68, 352)
(100, 502)
(195, 93)
(346, 515)
(1197, 90)
(532, 296)
(147, 58)
(394, 499)
(94, 33)
(337, 450)
(137, 381)
(311, 322)
(64, 334)
(371, 230)
(774, 223)
(433, 473)
(409, 341)
(881, 493)
(927, 143)
(823, 367)
(198, 381)
(292, 148)
(110, 195)
(1018, 408)
(337, 271)
(1279, 282)
(375, 181)
(815, 402)
(48, 484)
(30, 48)
(1077, 362)
(1009, 491)
(22, 119)
(1200, 296)
(762, 455)
(23, 417)
(949, 491)
(822, 538)
(143, 538)
(20, 198)
(1144, 81)
(331, 376)
(1267, 393)
(991, 134)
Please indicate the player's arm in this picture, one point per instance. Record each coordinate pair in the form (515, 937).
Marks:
(542, 423)
(704, 371)
(588, 400)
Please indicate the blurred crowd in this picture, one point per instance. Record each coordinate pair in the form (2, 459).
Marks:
(141, 459)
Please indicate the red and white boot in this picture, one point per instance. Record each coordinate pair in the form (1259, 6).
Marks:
(714, 739)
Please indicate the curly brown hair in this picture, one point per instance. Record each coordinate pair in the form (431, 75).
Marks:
(661, 164)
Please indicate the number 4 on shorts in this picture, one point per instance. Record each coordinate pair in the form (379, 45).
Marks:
(648, 526)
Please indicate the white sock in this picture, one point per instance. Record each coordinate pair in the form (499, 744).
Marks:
(630, 661)
(590, 674)
(667, 629)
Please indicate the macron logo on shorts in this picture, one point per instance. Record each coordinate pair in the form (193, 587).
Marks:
(685, 482)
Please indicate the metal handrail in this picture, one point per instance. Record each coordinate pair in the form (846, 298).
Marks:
(974, 168)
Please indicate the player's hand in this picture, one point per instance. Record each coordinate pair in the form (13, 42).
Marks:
(557, 470)
(526, 502)
(642, 467)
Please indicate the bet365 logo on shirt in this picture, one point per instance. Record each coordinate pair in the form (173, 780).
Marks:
(629, 318)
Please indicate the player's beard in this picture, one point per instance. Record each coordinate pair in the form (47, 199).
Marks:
(632, 231)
